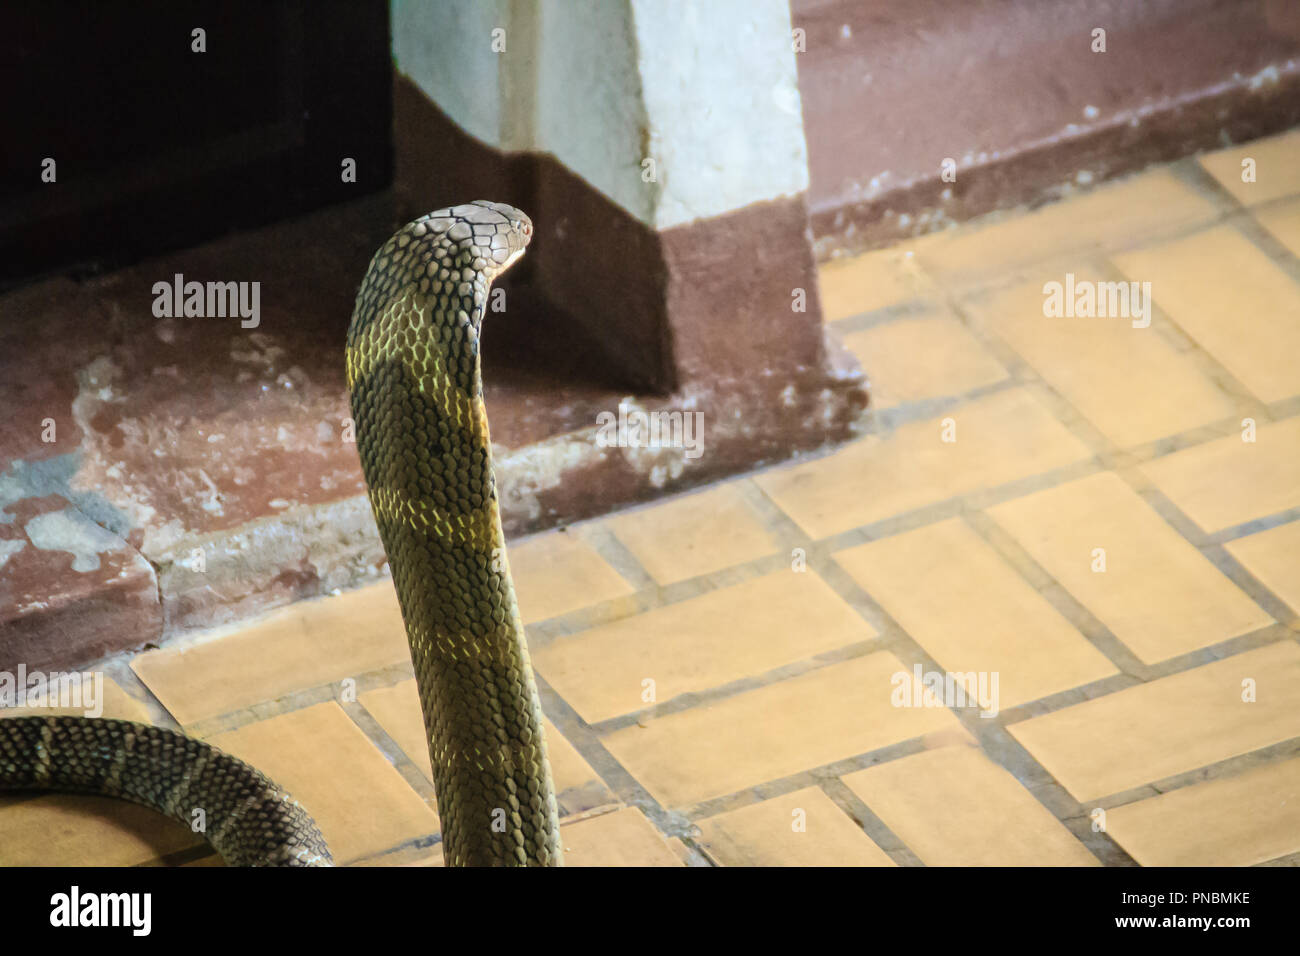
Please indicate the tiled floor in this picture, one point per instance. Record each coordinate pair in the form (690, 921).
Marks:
(1093, 524)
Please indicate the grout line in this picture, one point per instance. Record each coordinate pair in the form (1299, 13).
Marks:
(919, 307)
(190, 854)
(874, 827)
(733, 688)
(609, 771)
(1203, 361)
(800, 780)
(119, 669)
(1212, 546)
(298, 699)
(426, 841)
(386, 745)
(601, 538)
(1244, 217)
(1246, 528)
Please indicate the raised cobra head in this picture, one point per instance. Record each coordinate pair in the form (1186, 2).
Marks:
(422, 434)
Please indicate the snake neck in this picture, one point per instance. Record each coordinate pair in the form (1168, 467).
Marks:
(422, 435)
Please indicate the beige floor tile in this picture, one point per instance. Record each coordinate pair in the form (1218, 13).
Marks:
(804, 828)
(1236, 303)
(1157, 594)
(694, 534)
(775, 731)
(1171, 725)
(433, 857)
(397, 709)
(955, 807)
(305, 645)
(931, 355)
(1283, 221)
(960, 601)
(1273, 556)
(999, 438)
(362, 809)
(1129, 382)
(577, 786)
(1241, 820)
(556, 572)
(1228, 481)
(102, 697)
(873, 280)
(705, 642)
(210, 860)
(1118, 213)
(72, 830)
(411, 856)
(622, 838)
(1277, 172)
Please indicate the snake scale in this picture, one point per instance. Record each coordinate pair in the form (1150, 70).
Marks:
(422, 433)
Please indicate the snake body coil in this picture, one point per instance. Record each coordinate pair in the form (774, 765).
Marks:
(422, 434)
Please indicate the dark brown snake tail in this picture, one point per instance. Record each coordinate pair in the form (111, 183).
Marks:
(422, 434)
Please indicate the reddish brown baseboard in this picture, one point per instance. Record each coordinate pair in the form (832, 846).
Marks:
(1014, 93)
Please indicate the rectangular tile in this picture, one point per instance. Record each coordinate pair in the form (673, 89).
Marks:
(873, 280)
(556, 572)
(73, 830)
(1117, 557)
(411, 856)
(1242, 820)
(705, 642)
(1171, 725)
(971, 612)
(1275, 172)
(366, 810)
(1228, 482)
(1131, 383)
(804, 828)
(302, 646)
(954, 807)
(621, 838)
(1238, 305)
(917, 357)
(694, 534)
(1283, 221)
(772, 732)
(397, 710)
(1273, 556)
(999, 438)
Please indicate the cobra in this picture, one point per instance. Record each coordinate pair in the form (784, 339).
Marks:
(416, 390)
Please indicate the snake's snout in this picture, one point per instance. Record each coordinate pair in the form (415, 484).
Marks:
(519, 223)
(494, 232)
